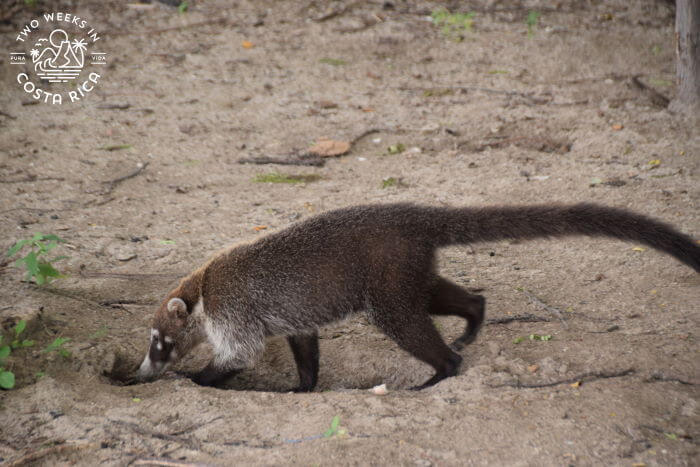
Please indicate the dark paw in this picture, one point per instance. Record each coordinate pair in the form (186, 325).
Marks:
(303, 389)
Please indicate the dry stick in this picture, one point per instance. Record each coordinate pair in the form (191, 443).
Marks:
(526, 318)
(549, 308)
(655, 96)
(189, 443)
(128, 275)
(334, 13)
(585, 377)
(117, 181)
(36, 455)
(32, 178)
(308, 159)
(661, 377)
(505, 92)
(167, 463)
(303, 159)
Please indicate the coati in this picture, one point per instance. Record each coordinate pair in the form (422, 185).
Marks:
(379, 259)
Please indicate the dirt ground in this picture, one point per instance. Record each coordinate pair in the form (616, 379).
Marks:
(572, 111)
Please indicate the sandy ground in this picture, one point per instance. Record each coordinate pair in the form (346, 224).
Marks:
(498, 117)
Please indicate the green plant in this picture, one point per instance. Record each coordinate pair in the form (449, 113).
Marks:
(7, 378)
(182, 7)
(532, 18)
(57, 346)
(453, 25)
(275, 177)
(333, 61)
(335, 428)
(37, 266)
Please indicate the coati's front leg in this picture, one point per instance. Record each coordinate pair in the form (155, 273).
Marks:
(447, 298)
(305, 350)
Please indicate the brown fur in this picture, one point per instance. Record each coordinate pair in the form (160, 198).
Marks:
(376, 259)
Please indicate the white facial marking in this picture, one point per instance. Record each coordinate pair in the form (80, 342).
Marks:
(154, 333)
(199, 306)
(168, 340)
(159, 346)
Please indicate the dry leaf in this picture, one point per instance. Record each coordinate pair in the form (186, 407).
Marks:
(327, 104)
(576, 384)
(533, 368)
(638, 248)
(258, 228)
(247, 45)
(617, 127)
(329, 148)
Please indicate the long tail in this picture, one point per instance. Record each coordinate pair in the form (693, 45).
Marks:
(469, 225)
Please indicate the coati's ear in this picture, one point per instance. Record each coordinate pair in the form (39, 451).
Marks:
(178, 306)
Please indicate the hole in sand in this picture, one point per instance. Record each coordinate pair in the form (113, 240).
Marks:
(123, 370)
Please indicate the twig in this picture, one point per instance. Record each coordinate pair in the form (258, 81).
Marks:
(112, 184)
(11, 117)
(196, 24)
(196, 426)
(302, 159)
(654, 377)
(167, 463)
(155, 434)
(334, 13)
(32, 178)
(549, 308)
(526, 318)
(586, 377)
(128, 275)
(57, 449)
(114, 106)
(510, 93)
(655, 96)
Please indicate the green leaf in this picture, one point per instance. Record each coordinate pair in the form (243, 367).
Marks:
(334, 427)
(46, 269)
(18, 246)
(53, 237)
(27, 343)
(518, 340)
(5, 352)
(333, 61)
(7, 380)
(56, 344)
(31, 262)
(182, 7)
(20, 327)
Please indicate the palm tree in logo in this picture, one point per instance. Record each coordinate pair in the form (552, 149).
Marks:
(80, 46)
(34, 53)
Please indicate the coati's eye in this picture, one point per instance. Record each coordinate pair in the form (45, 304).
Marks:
(161, 346)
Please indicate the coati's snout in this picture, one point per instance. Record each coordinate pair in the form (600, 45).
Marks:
(161, 354)
(172, 335)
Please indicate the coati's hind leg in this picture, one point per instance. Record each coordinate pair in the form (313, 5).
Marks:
(305, 350)
(447, 298)
(413, 330)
